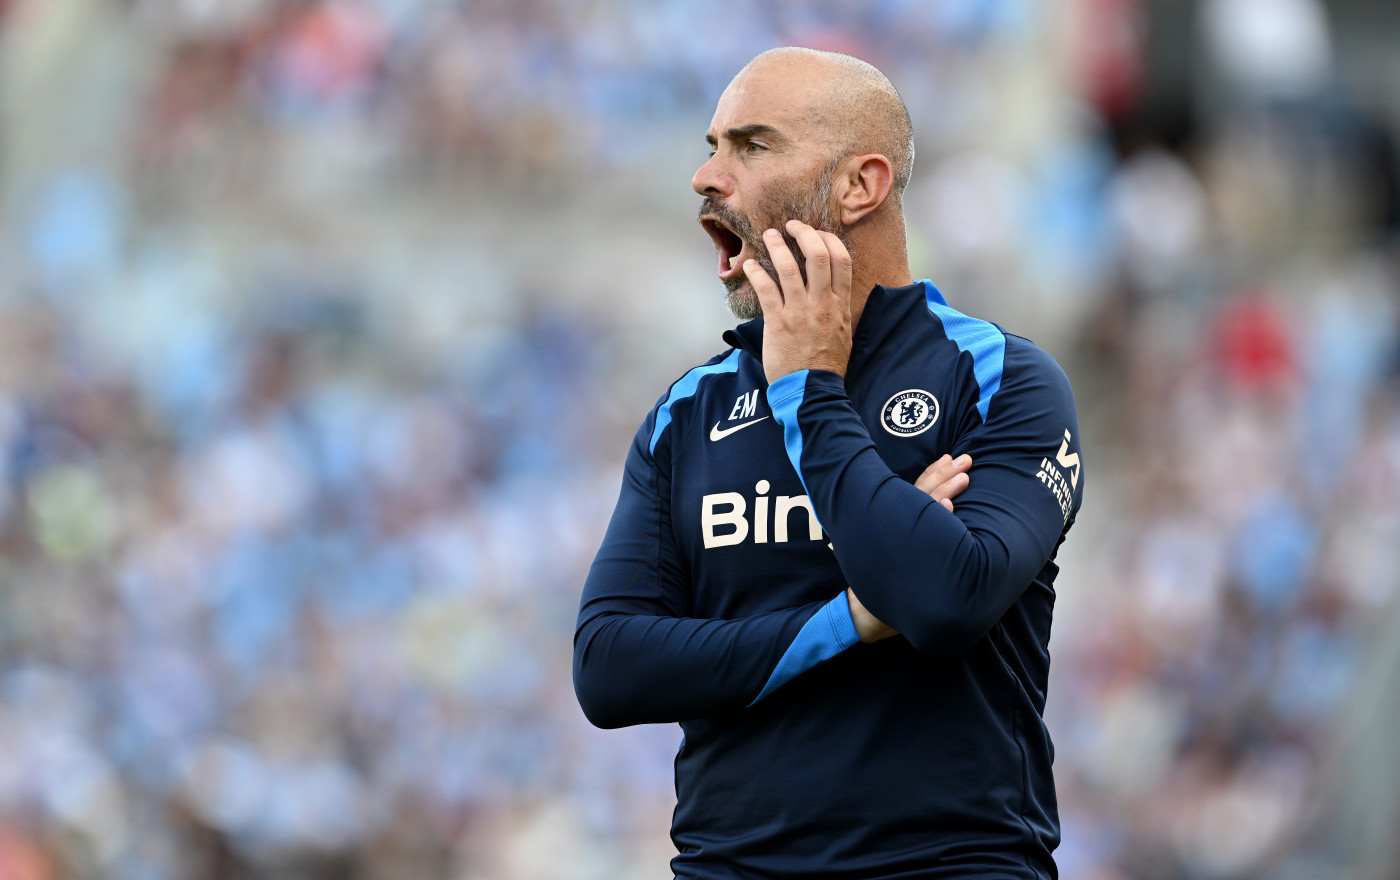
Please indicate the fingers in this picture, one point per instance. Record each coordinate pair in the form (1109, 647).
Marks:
(827, 263)
(769, 296)
(789, 275)
(808, 318)
(840, 265)
(946, 479)
(818, 259)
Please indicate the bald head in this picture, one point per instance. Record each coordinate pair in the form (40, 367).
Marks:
(850, 102)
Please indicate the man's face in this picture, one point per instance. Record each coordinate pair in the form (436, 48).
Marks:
(767, 167)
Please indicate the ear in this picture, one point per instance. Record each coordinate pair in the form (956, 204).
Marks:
(861, 186)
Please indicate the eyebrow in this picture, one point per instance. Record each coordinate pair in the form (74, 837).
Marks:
(744, 132)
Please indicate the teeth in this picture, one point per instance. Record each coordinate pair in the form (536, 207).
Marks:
(733, 260)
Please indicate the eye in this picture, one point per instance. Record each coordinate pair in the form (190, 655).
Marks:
(753, 147)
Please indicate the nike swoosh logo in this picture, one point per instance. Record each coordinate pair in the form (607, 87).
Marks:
(717, 434)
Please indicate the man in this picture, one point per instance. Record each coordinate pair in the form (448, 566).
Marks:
(859, 668)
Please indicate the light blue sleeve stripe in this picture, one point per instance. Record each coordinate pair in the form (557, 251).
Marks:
(828, 633)
(982, 339)
(685, 387)
(785, 399)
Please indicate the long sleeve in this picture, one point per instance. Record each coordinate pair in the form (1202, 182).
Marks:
(942, 579)
(638, 655)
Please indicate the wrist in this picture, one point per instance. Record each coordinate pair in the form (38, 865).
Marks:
(869, 627)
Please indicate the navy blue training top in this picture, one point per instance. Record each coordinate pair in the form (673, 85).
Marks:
(717, 600)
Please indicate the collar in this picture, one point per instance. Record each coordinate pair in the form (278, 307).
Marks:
(886, 310)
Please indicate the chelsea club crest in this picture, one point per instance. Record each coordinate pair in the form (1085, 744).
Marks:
(909, 412)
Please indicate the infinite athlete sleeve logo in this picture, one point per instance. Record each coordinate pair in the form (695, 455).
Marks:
(1052, 474)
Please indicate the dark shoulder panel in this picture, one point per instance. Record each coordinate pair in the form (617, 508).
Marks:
(685, 388)
(1030, 378)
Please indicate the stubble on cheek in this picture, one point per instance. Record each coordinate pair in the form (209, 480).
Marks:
(811, 208)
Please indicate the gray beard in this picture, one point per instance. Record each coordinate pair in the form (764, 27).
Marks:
(815, 211)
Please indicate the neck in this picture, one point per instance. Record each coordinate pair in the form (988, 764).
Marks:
(880, 257)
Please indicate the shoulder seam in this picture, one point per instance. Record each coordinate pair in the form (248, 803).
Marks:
(985, 341)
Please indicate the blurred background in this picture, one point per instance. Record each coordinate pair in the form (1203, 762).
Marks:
(325, 325)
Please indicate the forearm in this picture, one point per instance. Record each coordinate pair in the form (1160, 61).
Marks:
(913, 564)
(916, 566)
(636, 668)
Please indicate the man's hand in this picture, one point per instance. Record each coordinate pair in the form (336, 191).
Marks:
(805, 327)
(946, 479)
(943, 480)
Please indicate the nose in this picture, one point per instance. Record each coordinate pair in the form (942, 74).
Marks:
(710, 180)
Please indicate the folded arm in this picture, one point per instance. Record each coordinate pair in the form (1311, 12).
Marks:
(638, 655)
(942, 580)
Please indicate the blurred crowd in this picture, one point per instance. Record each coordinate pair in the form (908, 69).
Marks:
(308, 433)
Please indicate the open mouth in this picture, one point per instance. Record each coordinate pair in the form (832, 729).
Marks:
(729, 246)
